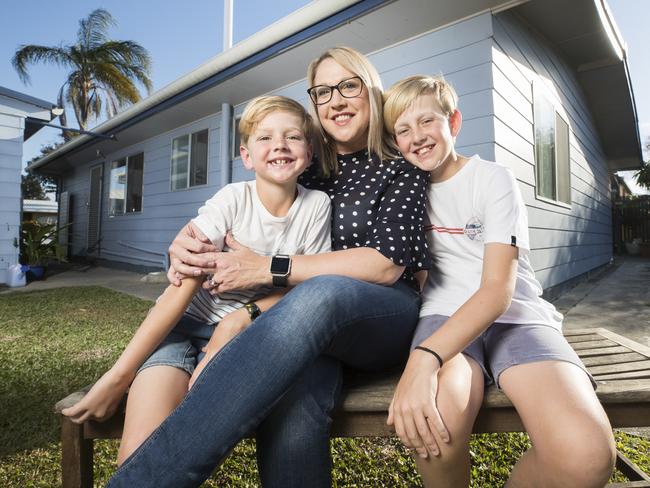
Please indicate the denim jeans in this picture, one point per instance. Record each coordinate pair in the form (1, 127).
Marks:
(328, 317)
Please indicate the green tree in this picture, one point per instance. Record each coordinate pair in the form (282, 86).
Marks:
(643, 175)
(33, 186)
(103, 74)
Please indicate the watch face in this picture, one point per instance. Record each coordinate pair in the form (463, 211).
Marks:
(280, 265)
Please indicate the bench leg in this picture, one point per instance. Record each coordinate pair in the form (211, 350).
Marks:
(77, 456)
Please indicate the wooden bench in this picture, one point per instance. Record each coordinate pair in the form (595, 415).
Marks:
(620, 366)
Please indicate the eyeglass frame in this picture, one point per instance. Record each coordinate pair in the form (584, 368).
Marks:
(335, 87)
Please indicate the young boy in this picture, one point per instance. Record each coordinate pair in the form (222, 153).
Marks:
(483, 301)
(272, 215)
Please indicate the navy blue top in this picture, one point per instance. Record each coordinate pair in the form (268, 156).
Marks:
(380, 205)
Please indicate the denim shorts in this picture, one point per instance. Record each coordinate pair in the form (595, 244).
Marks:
(182, 346)
(503, 345)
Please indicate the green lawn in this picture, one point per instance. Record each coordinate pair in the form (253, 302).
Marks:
(54, 342)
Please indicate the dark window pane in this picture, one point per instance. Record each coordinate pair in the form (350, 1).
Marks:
(199, 158)
(135, 182)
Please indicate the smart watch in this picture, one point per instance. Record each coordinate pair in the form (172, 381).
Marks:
(280, 269)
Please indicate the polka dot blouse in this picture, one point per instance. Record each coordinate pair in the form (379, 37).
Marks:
(377, 205)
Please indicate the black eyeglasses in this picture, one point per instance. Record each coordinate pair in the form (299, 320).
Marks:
(350, 88)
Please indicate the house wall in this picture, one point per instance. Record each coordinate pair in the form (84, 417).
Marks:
(11, 153)
(164, 212)
(461, 52)
(565, 242)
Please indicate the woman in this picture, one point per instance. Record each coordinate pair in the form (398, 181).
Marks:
(357, 305)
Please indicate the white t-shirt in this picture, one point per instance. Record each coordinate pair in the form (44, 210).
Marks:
(478, 205)
(237, 208)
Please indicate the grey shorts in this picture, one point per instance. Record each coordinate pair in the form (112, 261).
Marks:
(182, 346)
(503, 345)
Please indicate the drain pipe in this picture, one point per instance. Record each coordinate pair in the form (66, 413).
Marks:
(226, 108)
(224, 146)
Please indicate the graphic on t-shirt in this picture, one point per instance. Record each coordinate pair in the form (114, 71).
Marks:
(474, 229)
(444, 230)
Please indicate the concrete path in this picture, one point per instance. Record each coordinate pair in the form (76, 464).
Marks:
(115, 279)
(617, 299)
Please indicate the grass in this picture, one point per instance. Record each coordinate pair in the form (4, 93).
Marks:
(57, 341)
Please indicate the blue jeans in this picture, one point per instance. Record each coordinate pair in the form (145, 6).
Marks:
(364, 325)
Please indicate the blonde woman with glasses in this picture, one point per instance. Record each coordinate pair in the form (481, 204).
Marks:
(356, 306)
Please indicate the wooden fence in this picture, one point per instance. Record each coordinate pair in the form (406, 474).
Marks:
(631, 220)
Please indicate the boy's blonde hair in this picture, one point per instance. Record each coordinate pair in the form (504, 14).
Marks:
(260, 107)
(402, 94)
(359, 65)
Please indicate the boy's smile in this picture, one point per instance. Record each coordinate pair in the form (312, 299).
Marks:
(425, 137)
(277, 149)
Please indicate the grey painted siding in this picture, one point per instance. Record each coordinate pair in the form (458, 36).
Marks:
(565, 241)
(163, 212)
(461, 52)
(11, 152)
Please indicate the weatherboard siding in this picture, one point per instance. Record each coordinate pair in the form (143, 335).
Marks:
(565, 242)
(163, 212)
(492, 62)
(11, 152)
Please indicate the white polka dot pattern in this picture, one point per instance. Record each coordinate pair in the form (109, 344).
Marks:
(378, 205)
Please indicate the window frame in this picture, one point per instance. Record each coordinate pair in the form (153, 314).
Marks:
(124, 212)
(540, 93)
(234, 147)
(189, 136)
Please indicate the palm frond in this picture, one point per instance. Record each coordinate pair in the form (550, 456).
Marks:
(93, 29)
(31, 53)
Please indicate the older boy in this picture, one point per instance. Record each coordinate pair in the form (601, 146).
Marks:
(272, 215)
(483, 301)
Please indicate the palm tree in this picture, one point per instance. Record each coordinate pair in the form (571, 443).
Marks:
(103, 73)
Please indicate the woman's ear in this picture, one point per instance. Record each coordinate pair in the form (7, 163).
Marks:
(245, 157)
(455, 122)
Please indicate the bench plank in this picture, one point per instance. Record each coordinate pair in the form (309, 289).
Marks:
(626, 357)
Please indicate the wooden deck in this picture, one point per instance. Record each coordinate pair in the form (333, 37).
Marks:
(620, 366)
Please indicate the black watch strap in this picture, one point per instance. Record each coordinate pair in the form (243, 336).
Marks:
(281, 281)
(280, 270)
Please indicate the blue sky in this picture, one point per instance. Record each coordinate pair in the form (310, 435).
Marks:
(180, 37)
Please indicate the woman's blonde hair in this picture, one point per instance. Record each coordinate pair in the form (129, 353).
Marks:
(402, 94)
(358, 64)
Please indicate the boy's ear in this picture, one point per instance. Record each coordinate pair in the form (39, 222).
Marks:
(246, 157)
(455, 122)
(310, 153)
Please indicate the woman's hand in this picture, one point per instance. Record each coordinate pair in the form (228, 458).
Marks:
(190, 254)
(229, 327)
(101, 401)
(413, 410)
(238, 269)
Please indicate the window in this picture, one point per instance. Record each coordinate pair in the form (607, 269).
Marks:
(236, 138)
(551, 150)
(126, 185)
(189, 160)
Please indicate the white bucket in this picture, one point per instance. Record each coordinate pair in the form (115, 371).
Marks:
(16, 276)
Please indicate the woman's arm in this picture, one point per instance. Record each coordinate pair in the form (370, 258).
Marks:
(240, 268)
(413, 410)
(105, 395)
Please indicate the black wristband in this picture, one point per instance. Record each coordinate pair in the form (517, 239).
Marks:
(430, 351)
(253, 310)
